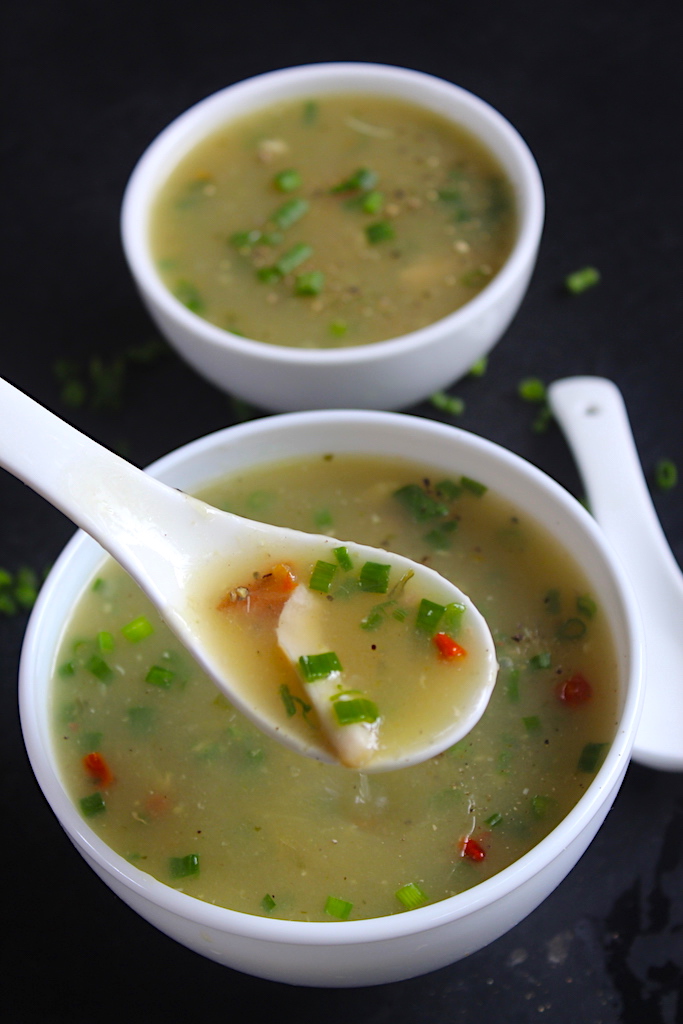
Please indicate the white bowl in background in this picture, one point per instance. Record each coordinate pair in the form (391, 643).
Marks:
(388, 374)
(349, 953)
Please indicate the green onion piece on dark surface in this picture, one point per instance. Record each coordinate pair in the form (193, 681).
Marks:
(374, 577)
(137, 629)
(310, 283)
(322, 576)
(184, 867)
(92, 804)
(343, 558)
(287, 181)
(448, 403)
(666, 474)
(336, 907)
(355, 709)
(380, 231)
(429, 615)
(289, 213)
(532, 389)
(580, 280)
(411, 896)
(319, 666)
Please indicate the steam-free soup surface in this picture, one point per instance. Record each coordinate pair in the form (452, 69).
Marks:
(336, 221)
(169, 775)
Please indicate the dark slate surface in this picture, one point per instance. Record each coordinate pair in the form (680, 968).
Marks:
(595, 88)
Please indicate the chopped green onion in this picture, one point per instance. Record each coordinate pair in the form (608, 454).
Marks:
(290, 212)
(322, 576)
(92, 804)
(268, 275)
(290, 702)
(411, 896)
(372, 202)
(99, 668)
(495, 819)
(158, 676)
(105, 641)
(319, 666)
(338, 328)
(322, 518)
(448, 403)
(374, 577)
(532, 389)
(532, 723)
(287, 181)
(68, 668)
(572, 629)
(363, 179)
(448, 489)
(580, 280)
(452, 620)
(338, 908)
(310, 283)
(479, 368)
(380, 231)
(137, 629)
(309, 113)
(268, 903)
(666, 474)
(299, 253)
(245, 239)
(473, 486)
(376, 616)
(591, 757)
(343, 558)
(429, 615)
(355, 709)
(541, 805)
(586, 605)
(512, 684)
(419, 504)
(189, 295)
(542, 660)
(184, 867)
(440, 539)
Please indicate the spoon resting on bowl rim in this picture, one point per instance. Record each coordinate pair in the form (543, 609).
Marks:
(176, 548)
(593, 417)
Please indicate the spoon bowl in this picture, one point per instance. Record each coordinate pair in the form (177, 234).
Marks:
(171, 543)
(592, 414)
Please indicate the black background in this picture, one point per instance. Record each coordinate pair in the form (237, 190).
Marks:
(595, 88)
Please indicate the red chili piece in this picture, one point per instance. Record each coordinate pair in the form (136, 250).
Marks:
(98, 769)
(575, 690)
(472, 849)
(448, 647)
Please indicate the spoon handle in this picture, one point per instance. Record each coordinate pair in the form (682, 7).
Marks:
(121, 507)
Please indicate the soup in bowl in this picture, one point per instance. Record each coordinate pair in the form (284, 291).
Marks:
(314, 874)
(334, 235)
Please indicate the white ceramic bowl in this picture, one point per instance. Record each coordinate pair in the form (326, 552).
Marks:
(348, 953)
(385, 375)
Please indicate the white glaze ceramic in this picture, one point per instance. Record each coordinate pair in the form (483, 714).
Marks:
(350, 953)
(387, 375)
(592, 414)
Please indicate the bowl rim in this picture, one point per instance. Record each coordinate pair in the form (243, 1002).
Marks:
(87, 554)
(152, 168)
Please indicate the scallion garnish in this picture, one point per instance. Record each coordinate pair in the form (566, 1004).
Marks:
(245, 239)
(572, 629)
(419, 503)
(99, 668)
(299, 253)
(448, 403)
(319, 666)
(374, 577)
(494, 819)
(479, 368)
(452, 618)
(532, 723)
(580, 280)
(343, 558)
(363, 179)
(541, 660)
(137, 629)
(473, 486)
(532, 389)
(380, 231)
(666, 474)
(289, 213)
(429, 614)
(287, 181)
(541, 805)
(411, 896)
(310, 283)
(591, 757)
(92, 804)
(290, 702)
(336, 907)
(190, 296)
(586, 605)
(268, 903)
(350, 711)
(158, 676)
(322, 576)
(269, 275)
(184, 867)
(105, 641)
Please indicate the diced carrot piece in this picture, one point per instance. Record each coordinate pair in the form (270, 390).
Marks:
(266, 593)
(98, 769)
(448, 647)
